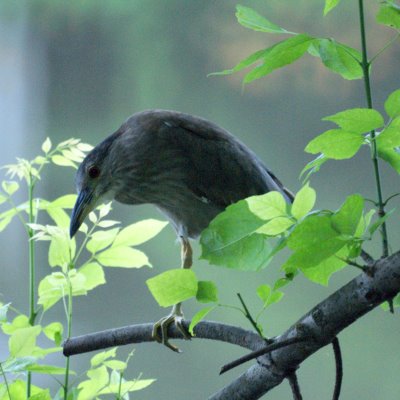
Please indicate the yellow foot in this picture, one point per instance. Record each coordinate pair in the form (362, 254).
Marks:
(162, 325)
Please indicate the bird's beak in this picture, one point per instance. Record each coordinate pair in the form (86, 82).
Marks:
(84, 204)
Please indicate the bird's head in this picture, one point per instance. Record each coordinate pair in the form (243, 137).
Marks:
(94, 183)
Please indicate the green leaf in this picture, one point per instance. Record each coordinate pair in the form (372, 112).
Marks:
(123, 256)
(199, 316)
(313, 240)
(268, 206)
(4, 222)
(347, 218)
(114, 386)
(364, 223)
(104, 209)
(268, 296)
(17, 391)
(62, 161)
(20, 321)
(251, 19)
(107, 223)
(336, 144)
(66, 201)
(62, 248)
(101, 239)
(357, 120)
(54, 332)
(173, 286)
(338, 57)
(94, 275)
(19, 364)
(139, 232)
(47, 369)
(207, 292)
(3, 312)
(250, 60)
(98, 379)
(388, 142)
(303, 202)
(279, 55)
(320, 274)
(10, 187)
(46, 146)
(392, 104)
(99, 358)
(231, 240)
(116, 365)
(379, 222)
(55, 286)
(389, 15)
(330, 5)
(85, 147)
(281, 282)
(22, 342)
(276, 226)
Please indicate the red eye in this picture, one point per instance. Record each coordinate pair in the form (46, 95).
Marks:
(94, 172)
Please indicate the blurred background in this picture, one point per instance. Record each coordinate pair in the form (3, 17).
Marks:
(80, 68)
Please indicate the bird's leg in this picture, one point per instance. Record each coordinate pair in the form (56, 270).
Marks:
(176, 315)
(186, 253)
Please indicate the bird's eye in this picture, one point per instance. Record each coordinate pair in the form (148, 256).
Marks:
(93, 172)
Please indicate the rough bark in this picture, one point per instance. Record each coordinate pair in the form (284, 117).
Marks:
(316, 329)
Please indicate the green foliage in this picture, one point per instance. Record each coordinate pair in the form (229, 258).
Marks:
(392, 104)
(232, 240)
(106, 376)
(337, 57)
(173, 286)
(330, 5)
(389, 14)
(199, 316)
(70, 276)
(251, 19)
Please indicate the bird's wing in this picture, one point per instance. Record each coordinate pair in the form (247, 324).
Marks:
(220, 169)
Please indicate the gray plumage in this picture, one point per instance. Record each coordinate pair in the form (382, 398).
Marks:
(188, 167)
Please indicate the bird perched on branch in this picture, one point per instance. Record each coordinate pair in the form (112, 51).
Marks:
(188, 167)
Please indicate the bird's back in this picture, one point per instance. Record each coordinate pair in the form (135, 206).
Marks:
(194, 169)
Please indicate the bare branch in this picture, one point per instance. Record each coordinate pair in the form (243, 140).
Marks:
(143, 333)
(315, 329)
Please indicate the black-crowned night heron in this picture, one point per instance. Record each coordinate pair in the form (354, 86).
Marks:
(189, 168)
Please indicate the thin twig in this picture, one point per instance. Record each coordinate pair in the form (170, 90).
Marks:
(258, 353)
(249, 317)
(339, 368)
(368, 259)
(294, 385)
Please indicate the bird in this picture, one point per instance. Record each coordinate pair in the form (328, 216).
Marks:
(188, 167)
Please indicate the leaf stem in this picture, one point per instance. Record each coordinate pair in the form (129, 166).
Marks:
(365, 64)
(387, 45)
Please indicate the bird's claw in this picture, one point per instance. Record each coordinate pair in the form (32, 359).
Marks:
(162, 325)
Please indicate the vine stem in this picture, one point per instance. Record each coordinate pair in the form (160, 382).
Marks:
(31, 244)
(365, 64)
(69, 332)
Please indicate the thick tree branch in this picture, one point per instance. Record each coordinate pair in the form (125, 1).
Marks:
(318, 327)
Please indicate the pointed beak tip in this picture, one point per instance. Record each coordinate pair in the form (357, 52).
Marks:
(79, 212)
